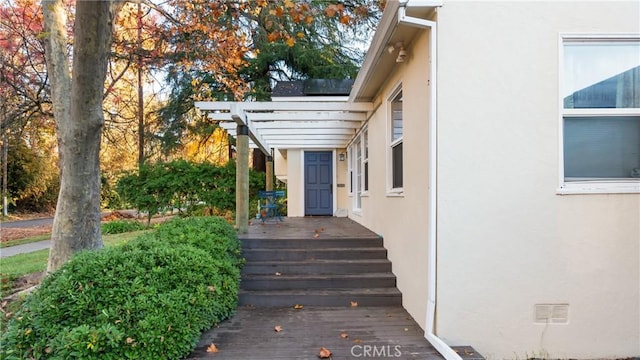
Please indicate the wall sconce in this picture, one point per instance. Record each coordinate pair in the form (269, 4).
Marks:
(402, 53)
(341, 156)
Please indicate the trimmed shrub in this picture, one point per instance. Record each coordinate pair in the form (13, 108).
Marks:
(122, 226)
(148, 299)
(185, 186)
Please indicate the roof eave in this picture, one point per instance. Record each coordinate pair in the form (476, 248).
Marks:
(382, 38)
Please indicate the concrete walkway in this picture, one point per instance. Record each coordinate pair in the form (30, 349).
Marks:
(24, 248)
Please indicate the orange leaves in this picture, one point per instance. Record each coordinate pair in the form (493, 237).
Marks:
(212, 348)
(324, 353)
(344, 335)
(345, 19)
(334, 9)
(277, 328)
(354, 304)
(298, 307)
(290, 42)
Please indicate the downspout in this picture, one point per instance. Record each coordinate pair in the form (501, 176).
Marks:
(444, 349)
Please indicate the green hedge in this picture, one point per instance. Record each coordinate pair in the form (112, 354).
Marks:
(148, 299)
(185, 186)
(122, 226)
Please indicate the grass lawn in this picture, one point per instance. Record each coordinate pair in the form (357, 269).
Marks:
(19, 265)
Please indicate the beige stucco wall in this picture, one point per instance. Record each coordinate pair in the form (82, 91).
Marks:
(402, 220)
(342, 181)
(506, 240)
(295, 183)
(280, 164)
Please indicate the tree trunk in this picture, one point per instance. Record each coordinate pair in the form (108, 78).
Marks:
(141, 134)
(77, 103)
(5, 177)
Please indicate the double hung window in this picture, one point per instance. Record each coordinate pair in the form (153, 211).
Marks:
(600, 115)
(395, 142)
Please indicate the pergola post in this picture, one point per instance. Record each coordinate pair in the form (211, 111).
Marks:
(242, 179)
(269, 173)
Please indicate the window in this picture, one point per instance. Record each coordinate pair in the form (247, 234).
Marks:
(396, 142)
(600, 126)
(365, 159)
(359, 167)
(358, 173)
(350, 163)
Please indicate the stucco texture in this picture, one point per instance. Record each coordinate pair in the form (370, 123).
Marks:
(506, 240)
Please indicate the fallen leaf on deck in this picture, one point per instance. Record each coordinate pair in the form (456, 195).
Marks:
(277, 328)
(316, 236)
(357, 341)
(212, 348)
(344, 335)
(278, 274)
(324, 353)
(298, 306)
(406, 329)
(354, 304)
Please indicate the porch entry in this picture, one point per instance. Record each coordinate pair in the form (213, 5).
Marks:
(318, 183)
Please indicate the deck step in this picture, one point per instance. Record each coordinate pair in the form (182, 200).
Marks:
(294, 254)
(317, 267)
(311, 243)
(322, 297)
(317, 271)
(295, 282)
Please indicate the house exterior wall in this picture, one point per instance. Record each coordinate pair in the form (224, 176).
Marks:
(295, 183)
(342, 181)
(402, 219)
(506, 240)
(280, 164)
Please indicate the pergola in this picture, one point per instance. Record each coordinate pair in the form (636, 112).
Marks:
(303, 123)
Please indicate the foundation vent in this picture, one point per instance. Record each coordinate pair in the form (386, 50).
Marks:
(551, 314)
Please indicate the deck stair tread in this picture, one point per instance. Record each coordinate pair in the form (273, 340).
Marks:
(316, 268)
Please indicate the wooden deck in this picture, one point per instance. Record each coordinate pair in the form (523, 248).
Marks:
(250, 334)
(307, 227)
(370, 331)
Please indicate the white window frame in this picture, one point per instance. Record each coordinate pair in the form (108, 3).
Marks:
(365, 162)
(350, 168)
(358, 176)
(391, 143)
(613, 186)
(356, 168)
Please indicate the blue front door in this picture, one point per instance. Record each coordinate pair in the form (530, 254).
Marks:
(318, 183)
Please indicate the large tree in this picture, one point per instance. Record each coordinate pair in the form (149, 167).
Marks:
(77, 87)
(264, 41)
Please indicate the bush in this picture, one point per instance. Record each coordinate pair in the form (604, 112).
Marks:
(148, 299)
(185, 186)
(121, 226)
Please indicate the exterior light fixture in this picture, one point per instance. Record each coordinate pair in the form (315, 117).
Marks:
(341, 156)
(402, 53)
